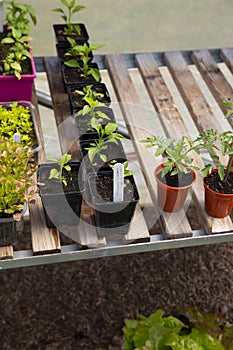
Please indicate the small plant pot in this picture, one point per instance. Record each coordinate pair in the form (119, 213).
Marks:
(62, 205)
(217, 205)
(74, 75)
(62, 37)
(111, 218)
(11, 228)
(170, 198)
(76, 100)
(113, 152)
(84, 130)
(13, 89)
(62, 48)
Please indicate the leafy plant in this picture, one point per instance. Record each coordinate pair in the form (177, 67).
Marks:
(58, 174)
(18, 18)
(177, 152)
(106, 134)
(81, 58)
(127, 172)
(92, 109)
(16, 118)
(17, 168)
(158, 332)
(67, 14)
(15, 43)
(88, 94)
(215, 142)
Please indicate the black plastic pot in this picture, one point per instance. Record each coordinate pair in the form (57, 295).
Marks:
(84, 130)
(111, 218)
(76, 100)
(61, 37)
(61, 207)
(113, 152)
(74, 75)
(11, 229)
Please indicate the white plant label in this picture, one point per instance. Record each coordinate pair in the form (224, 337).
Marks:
(17, 137)
(118, 182)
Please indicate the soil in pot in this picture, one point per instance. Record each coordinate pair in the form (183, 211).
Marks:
(111, 218)
(213, 181)
(62, 37)
(62, 204)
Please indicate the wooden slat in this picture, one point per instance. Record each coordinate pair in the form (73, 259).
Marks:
(44, 240)
(139, 129)
(214, 78)
(169, 115)
(227, 56)
(65, 122)
(190, 91)
(6, 252)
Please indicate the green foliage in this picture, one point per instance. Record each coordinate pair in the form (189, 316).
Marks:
(58, 174)
(16, 41)
(89, 95)
(158, 332)
(92, 108)
(70, 8)
(17, 168)
(106, 134)
(213, 141)
(127, 172)
(18, 17)
(16, 118)
(81, 58)
(176, 151)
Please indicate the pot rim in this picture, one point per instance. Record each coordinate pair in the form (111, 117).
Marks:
(214, 170)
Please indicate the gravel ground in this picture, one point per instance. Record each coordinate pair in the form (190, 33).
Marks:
(82, 304)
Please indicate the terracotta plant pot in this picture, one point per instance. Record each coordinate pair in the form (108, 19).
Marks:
(217, 205)
(170, 198)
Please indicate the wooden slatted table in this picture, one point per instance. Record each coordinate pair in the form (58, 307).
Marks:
(174, 230)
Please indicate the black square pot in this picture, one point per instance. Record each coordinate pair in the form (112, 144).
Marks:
(60, 207)
(61, 37)
(76, 100)
(84, 130)
(11, 229)
(73, 75)
(111, 219)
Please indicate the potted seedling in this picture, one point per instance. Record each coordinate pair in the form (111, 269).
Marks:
(98, 152)
(81, 95)
(17, 68)
(113, 196)
(61, 186)
(81, 69)
(218, 176)
(17, 169)
(77, 31)
(176, 174)
(95, 110)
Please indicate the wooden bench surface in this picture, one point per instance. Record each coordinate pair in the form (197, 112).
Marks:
(172, 226)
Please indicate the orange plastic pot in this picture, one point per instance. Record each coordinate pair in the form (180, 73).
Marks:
(218, 205)
(170, 198)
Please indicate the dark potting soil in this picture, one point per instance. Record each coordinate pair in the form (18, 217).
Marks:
(55, 186)
(102, 189)
(178, 180)
(61, 36)
(213, 181)
(74, 75)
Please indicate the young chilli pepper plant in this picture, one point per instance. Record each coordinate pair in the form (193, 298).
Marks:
(62, 165)
(106, 134)
(67, 14)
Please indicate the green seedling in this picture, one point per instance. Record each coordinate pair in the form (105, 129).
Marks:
(58, 174)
